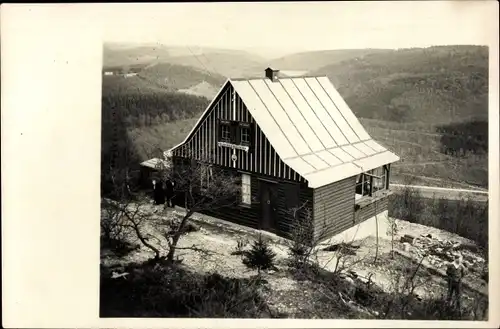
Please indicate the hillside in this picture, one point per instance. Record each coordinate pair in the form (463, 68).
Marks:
(159, 77)
(228, 64)
(202, 89)
(225, 62)
(179, 76)
(438, 85)
(313, 60)
(427, 105)
(133, 102)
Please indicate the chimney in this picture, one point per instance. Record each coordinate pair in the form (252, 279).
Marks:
(272, 74)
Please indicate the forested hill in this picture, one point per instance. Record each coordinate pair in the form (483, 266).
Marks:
(436, 85)
(139, 102)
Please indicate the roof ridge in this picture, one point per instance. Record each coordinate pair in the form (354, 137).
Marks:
(279, 78)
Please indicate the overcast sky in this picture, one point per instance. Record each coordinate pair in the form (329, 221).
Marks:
(289, 27)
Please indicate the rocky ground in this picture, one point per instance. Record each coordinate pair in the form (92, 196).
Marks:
(216, 243)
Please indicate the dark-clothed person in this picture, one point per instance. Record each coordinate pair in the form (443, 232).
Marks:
(169, 192)
(158, 192)
(455, 273)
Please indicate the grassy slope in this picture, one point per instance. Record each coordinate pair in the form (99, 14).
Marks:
(178, 76)
(422, 160)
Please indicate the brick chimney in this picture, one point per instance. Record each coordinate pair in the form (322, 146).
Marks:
(272, 74)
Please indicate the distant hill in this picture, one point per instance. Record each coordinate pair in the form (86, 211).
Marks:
(224, 62)
(313, 60)
(160, 77)
(179, 76)
(437, 85)
(202, 89)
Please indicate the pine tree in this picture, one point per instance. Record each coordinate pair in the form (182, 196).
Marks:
(260, 256)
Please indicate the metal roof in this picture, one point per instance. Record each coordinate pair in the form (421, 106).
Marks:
(312, 128)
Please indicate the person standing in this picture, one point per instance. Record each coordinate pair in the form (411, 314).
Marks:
(169, 192)
(455, 273)
(159, 194)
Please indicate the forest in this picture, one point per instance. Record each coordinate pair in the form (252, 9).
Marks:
(438, 85)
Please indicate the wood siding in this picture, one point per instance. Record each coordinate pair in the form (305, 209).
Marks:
(371, 210)
(288, 195)
(334, 208)
(261, 159)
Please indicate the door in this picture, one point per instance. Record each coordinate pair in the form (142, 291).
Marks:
(268, 206)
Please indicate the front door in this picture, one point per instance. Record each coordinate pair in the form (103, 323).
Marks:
(268, 206)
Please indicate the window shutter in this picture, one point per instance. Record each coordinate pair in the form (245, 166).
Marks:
(252, 137)
(235, 136)
(219, 130)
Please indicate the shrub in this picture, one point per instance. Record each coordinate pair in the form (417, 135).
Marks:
(159, 290)
(465, 217)
(240, 246)
(260, 256)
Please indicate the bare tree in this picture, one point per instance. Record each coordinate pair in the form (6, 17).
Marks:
(200, 186)
(392, 230)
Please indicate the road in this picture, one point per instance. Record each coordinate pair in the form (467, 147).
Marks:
(441, 192)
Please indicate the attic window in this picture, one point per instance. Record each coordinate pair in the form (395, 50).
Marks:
(245, 135)
(225, 132)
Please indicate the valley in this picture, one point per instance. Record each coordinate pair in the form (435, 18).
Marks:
(429, 105)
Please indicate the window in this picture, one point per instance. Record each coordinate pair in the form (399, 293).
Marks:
(371, 181)
(245, 135)
(206, 177)
(380, 181)
(235, 132)
(225, 132)
(246, 191)
(362, 186)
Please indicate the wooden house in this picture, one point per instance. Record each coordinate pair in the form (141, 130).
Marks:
(293, 141)
(151, 170)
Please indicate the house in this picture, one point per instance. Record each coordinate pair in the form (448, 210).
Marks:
(293, 141)
(151, 169)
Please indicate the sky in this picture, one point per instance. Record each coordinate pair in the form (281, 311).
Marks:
(300, 26)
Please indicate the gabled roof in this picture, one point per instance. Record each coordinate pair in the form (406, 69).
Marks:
(311, 128)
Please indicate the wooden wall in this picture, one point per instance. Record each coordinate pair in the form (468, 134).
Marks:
(334, 208)
(371, 210)
(288, 195)
(261, 159)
